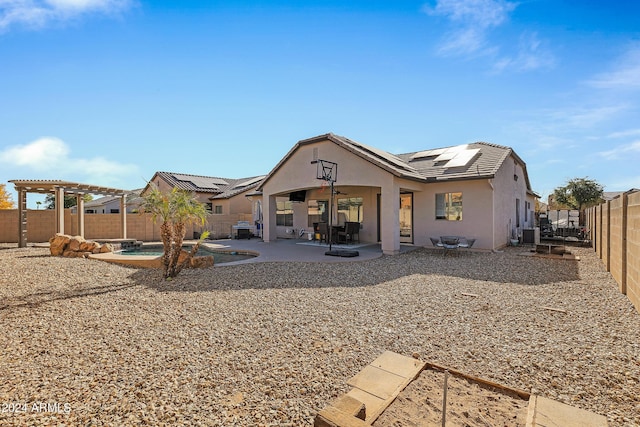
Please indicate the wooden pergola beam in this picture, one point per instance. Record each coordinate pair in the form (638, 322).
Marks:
(60, 188)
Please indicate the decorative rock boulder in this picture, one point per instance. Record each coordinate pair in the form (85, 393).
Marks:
(107, 247)
(202, 262)
(196, 261)
(75, 242)
(58, 244)
(89, 246)
(76, 246)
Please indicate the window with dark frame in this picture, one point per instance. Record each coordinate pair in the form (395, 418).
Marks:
(284, 213)
(317, 211)
(351, 209)
(449, 206)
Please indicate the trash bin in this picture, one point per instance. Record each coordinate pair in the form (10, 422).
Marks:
(196, 235)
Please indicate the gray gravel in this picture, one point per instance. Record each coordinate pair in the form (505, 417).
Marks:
(90, 343)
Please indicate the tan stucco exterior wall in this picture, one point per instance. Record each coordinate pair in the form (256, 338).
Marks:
(234, 209)
(507, 190)
(238, 204)
(476, 213)
(299, 173)
(485, 202)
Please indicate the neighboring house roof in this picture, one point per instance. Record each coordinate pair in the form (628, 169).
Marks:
(102, 201)
(610, 195)
(467, 161)
(220, 188)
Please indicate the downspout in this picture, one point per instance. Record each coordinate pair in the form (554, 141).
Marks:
(493, 219)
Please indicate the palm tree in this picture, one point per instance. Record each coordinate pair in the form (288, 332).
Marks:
(176, 210)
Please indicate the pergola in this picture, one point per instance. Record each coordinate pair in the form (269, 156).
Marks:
(60, 189)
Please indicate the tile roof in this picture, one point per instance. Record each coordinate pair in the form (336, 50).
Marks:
(467, 161)
(220, 188)
(132, 198)
(610, 195)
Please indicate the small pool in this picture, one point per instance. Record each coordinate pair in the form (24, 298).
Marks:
(219, 257)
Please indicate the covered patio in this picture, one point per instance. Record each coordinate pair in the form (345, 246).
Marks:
(60, 189)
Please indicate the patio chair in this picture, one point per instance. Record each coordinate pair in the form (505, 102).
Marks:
(450, 243)
(323, 231)
(435, 242)
(350, 233)
(466, 243)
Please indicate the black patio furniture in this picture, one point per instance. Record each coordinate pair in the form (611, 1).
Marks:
(466, 243)
(350, 233)
(450, 244)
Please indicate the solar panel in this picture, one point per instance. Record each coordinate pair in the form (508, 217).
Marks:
(387, 156)
(201, 181)
(428, 153)
(249, 182)
(450, 153)
(462, 158)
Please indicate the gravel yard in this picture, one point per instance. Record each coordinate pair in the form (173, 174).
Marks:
(269, 344)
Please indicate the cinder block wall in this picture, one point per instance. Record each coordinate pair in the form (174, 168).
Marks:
(9, 225)
(41, 226)
(606, 236)
(615, 241)
(633, 249)
(616, 231)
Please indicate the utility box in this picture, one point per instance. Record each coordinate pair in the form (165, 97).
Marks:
(531, 236)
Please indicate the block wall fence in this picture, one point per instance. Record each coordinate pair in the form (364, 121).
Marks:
(615, 232)
(41, 226)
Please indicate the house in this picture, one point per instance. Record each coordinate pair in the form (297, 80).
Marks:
(111, 204)
(228, 200)
(477, 190)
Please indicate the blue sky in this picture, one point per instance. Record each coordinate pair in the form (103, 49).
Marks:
(107, 92)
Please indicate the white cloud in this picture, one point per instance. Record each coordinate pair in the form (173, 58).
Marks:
(40, 13)
(472, 22)
(472, 19)
(480, 13)
(585, 117)
(38, 155)
(624, 184)
(621, 151)
(466, 41)
(532, 54)
(624, 134)
(50, 155)
(625, 75)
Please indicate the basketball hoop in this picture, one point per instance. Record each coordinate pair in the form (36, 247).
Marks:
(323, 186)
(327, 171)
